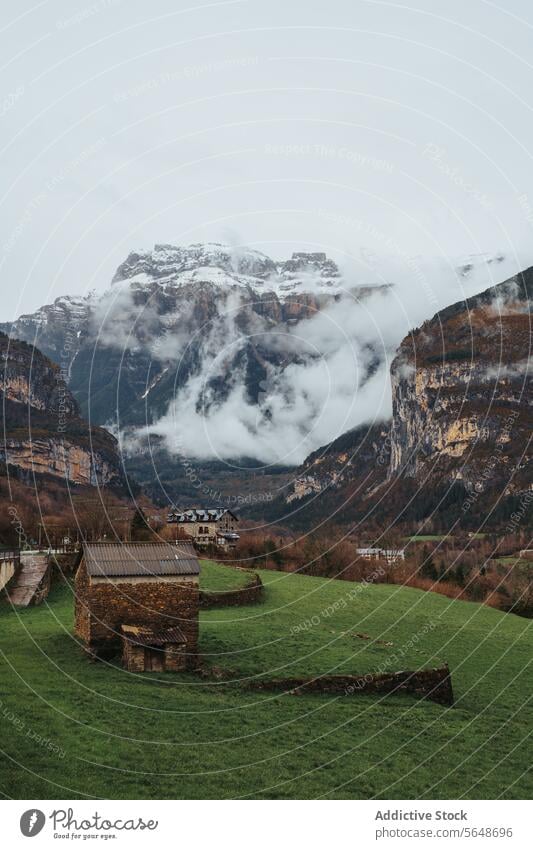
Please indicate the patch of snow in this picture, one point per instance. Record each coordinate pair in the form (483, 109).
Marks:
(154, 383)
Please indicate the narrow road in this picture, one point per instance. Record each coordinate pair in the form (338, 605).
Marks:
(25, 585)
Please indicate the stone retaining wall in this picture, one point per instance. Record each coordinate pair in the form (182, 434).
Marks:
(433, 684)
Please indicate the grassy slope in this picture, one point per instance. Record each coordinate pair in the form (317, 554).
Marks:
(515, 561)
(426, 538)
(179, 736)
(216, 577)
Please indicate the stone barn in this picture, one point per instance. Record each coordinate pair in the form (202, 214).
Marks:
(140, 599)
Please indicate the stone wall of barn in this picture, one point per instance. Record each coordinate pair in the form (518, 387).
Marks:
(81, 606)
(101, 609)
(132, 657)
(146, 579)
(175, 657)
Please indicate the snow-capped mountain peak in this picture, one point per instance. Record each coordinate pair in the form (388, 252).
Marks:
(228, 265)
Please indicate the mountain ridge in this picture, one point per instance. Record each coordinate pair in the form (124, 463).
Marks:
(187, 337)
(168, 311)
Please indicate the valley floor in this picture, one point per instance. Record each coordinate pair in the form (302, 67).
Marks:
(76, 729)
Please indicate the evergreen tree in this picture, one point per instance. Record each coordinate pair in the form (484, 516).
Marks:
(428, 569)
(140, 530)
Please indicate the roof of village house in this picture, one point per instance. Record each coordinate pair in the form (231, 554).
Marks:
(126, 559)
(200, 514)
(143, 636)
(385, 551)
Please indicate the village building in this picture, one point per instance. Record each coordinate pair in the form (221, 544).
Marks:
(140, 599)
(391, 555)
(208, 526)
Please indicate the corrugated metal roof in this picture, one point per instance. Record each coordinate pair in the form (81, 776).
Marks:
(140, 558)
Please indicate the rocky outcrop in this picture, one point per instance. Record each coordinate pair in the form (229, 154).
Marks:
(44, 433)
(154, 339)
(358, 456)
(59, 458)
(334, 482)
(462, 400)
(29, 379)
(125, 353)
(58, 329)
(462, 416)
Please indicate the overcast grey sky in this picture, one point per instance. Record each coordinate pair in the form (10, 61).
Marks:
(285, 125)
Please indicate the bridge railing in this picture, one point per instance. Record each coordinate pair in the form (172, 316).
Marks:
(10, 554)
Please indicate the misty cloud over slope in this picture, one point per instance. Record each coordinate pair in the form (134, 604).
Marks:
(220, 352)
(325, 373)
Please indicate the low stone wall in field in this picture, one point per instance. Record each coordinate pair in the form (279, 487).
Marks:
(433, 684)
(252, 593)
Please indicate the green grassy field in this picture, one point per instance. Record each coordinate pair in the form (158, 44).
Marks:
(514, 561)
(72, 728)
(427, 537)
(438, 537)
(219, 578)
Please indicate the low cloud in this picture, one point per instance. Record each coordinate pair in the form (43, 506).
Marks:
(119, 320)
(325, 374)
(521, 369)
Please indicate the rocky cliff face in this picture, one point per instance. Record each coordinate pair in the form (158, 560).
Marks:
(168, 312)
(43, 431)
(226, 332)
(333, 486)
(29, 379)
(462, 399)
(189, 339)
(458, 445)
(58, 330)
(61, 459)
(360, 456)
